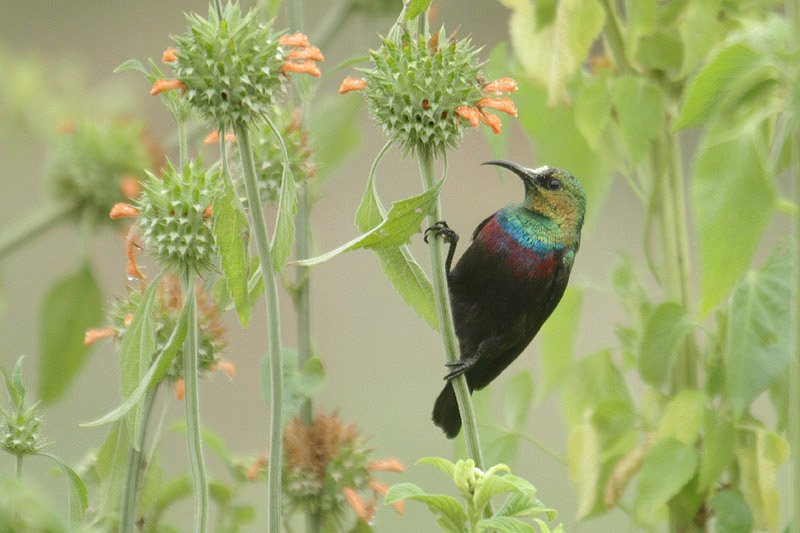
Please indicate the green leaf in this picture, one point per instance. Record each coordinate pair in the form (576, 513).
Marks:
(415, 8)
(14, 386)
(298, 384)
(174, 490)
(592, 381)
(683, 417)
(78, 495)
(136, 352)
(733, 201)
(451, 514)
(758, 462)
(661, 51)
(283, 237)
(719, 447)
(640, 114)
(558, 341)
(439, 462)
(70, 307)
(593, 109)
(231, 236)
(732, 512)
(154, 374)
(551, 54)
(506, 524)
(664, 332)
(759, 331)
(517, 395)
(488, 487)
(334, 121)
(112, 458)
(700, 30)
(583, 447)
(669, 465)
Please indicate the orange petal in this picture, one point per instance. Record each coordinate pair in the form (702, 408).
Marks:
(309, 52)
(170, 55)
(166, 85)
(399, 506)
(508, 85)
(180, 389)
(130, 186)
(390, 465)
(231, 138)
(351, 84)
(208, 212)
(252, 472)
(228, 367)
(211, 138)
(470, 113)
(131, 269)
(123, 210)
(306, 67)
(128, 320)
(493, 121)
(355, 501)
(505, 105)
(296, 39)
(94, 335)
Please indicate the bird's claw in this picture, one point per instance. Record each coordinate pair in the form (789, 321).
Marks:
(459, 367)
(441, 228)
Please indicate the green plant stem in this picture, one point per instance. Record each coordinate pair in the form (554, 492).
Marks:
(445, 315)
(33, 225)
(332, 23)
(133, 470)
(273, 328)
(614, 37)
(19, 459)
(193, 435)
(183, 147)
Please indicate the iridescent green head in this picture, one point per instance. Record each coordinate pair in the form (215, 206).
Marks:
(551, 192)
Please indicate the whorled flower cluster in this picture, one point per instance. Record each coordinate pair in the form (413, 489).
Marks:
(231, 67)
(421, 89)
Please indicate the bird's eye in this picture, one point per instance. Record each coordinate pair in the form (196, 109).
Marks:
(554, 184)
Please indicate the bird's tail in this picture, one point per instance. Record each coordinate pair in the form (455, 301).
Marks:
(445, 412)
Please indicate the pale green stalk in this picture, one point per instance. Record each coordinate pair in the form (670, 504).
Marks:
(133, 471)
(444, 312)
(19, 458)
(259, 225)
(32, 225)
(193, 436)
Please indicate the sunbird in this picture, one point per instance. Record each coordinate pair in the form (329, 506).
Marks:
(510, 279)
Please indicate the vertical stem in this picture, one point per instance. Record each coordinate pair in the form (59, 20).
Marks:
(133, 471)
(19, 458)
(183, 147)
(445, 314)
(273, 328)
(193, 438)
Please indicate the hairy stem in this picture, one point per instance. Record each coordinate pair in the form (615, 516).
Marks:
(134, 469)
(273, 328)
(193, 437)
(445, 314)
(33, 225)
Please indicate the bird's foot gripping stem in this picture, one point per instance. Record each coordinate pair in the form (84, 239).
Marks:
(459, 367)
(448, 235)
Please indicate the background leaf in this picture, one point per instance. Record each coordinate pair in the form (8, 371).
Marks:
(78, 495)
(71, 306)
(639, 109)
(732, 512)
(231, 236)
(441, 505)
(558, 335)
(298, 384)
(517, 395)
(758, 464)
(665, 330)
(583, 446)
(669, 465)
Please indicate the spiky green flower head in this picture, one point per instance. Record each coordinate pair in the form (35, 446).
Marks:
(268, 154)
(20, 433)
(416, 85)
(167, 309)
(97, 164)
(230, 67)
(174, 216)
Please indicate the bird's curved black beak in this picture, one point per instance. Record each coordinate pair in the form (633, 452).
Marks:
(526, 174)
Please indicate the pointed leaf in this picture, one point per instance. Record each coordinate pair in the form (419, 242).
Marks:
(439, 462)
(298, 384)
(519, 504)
(758, 463)
(14, 386)
(640, 113)
(415, 8)
(112, 458)
(665, 330)
(283, 237)
(683, 417)
(230, 233)
(78, 495)
(719, 448)
(70, 307)
(669, 465)
(732, 512)
(506, 524)
(759, 331)
(583, 446)
(447, 508)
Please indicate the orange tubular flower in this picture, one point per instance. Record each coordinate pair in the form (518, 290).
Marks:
(166, 85)
(208, 212)
(306, 67)
(94, 335)
(309, 52)
(123, 210)
(180, 389)
(252, 472)
(213, 138)
(128, 320)
(355, 501)
(351, 84)
(296, 39)
(387, 465)
(493, 121)
(170, 55)
(228, 367)
(507, 85)
(505, 105)
(399, 506)
(472, 114)
(131, 269)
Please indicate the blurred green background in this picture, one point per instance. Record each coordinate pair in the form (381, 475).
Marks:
(383, 364)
